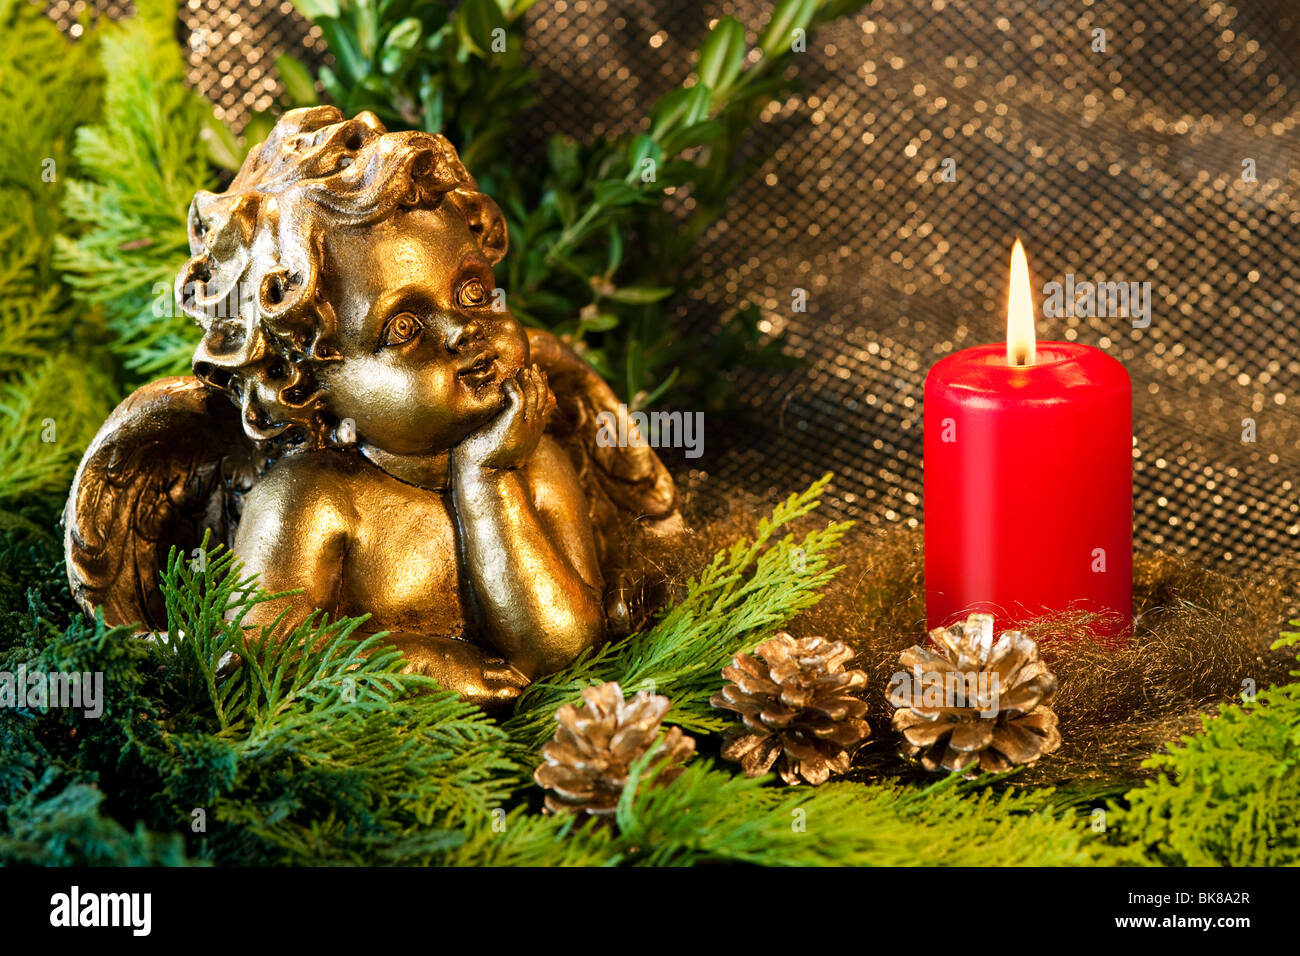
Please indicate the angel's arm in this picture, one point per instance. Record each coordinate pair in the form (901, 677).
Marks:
(530, 556)
(526, 538)
(630, 496)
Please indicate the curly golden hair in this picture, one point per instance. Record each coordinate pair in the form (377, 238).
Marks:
(253, 280)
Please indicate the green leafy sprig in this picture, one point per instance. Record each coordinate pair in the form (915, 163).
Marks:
(603, 234)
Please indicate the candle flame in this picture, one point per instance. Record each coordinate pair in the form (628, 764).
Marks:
(1020, 311)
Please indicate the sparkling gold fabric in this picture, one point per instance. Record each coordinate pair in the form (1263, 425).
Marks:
(1120, 165)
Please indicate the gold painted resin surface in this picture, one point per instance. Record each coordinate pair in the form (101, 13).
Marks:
(368, 425)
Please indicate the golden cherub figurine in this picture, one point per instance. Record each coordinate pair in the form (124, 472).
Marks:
(398, 444)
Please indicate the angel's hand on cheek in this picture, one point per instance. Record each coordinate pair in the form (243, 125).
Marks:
(509, 439)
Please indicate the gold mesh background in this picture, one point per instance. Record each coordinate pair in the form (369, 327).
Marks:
(1122, 165)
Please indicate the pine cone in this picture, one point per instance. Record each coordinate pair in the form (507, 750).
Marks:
(588, 761)
(801, 709)
(977, 705)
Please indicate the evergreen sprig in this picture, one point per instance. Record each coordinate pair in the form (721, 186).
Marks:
(333, 750)
(736, 602)
(1230, 795)
(48, 415)
(53, 393)
(70, 826)
(318, 750)
(710, 816)
(142, 164)
(49, 86)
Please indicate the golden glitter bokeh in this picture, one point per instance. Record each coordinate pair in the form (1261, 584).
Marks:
(1119, 165)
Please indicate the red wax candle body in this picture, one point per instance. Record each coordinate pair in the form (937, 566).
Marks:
(1029, 486)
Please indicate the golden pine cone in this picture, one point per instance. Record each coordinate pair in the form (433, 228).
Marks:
(802, 710)
(978, 705)
(588, 761)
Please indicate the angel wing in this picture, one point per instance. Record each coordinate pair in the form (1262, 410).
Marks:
(631, 498)
(169, 464)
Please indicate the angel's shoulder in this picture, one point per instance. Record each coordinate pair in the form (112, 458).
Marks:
(309, 481)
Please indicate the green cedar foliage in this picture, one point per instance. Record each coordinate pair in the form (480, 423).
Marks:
(49, 85)
(53, 391)
(143, 163)
(736, 602)
(1230, 795)
(313, 751)
(49, 411)
(93, 232)
(68, 826)
(710, 816)
(319, 750)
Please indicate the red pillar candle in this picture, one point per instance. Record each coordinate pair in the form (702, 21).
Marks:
(1028, 479)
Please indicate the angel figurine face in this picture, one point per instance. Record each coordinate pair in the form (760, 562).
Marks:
(394, 443)
(423, 351)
